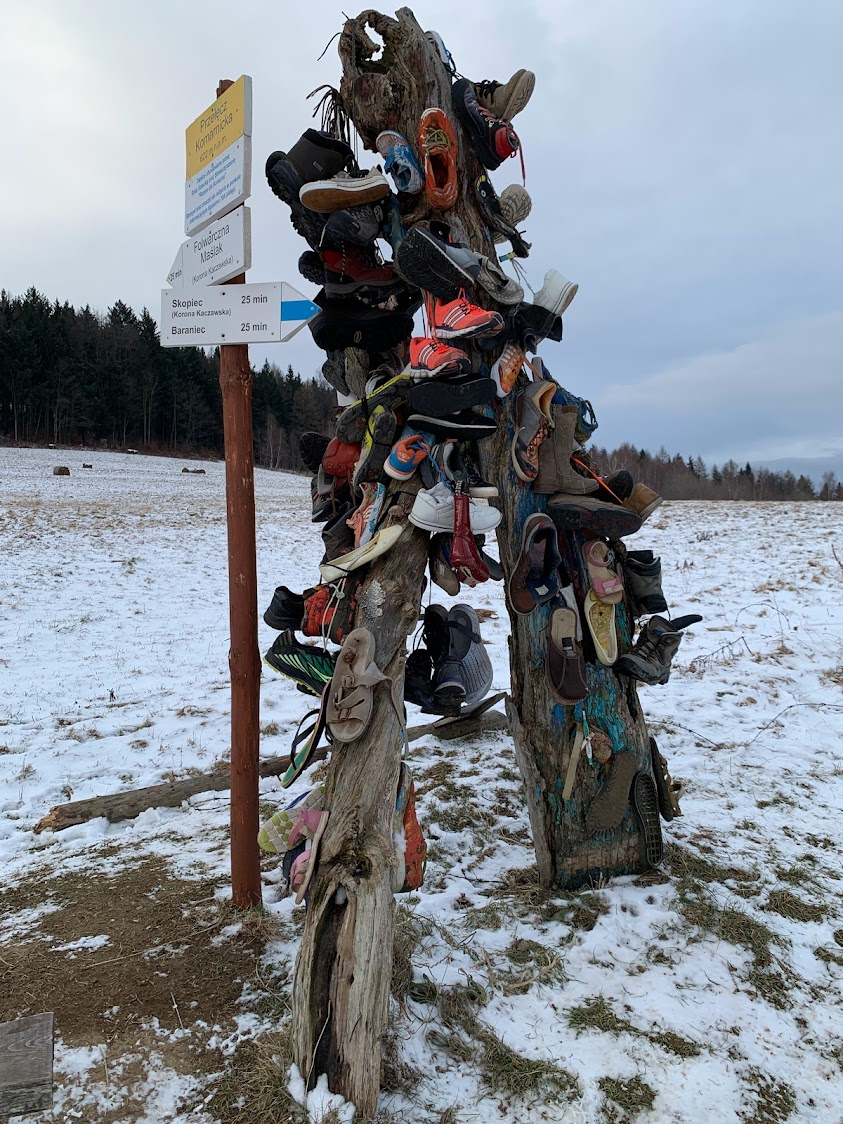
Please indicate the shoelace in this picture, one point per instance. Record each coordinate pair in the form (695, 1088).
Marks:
(591, 472)
(436, 138)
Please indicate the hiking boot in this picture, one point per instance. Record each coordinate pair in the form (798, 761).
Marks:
(286, 610)
(437, 144)
(376, 446)
(352, 323)
(490, 207)
(643, 501)
(348, 270)
(465, 675)
(316, 155)
(507, 368)
(418, 679)
(285, 183)
(400, 162)
(534, 579)
(457, 467)
(433, 510)
(494, 139)
(658, 642)
(312, 448)
(555, 473)
(429, 358)
(434, 264)
(441, 397)
(504, 100)
(592, 516)
(532, 424)
(309, 667)
(345, 189)
(643, 580)
(311, 267)
(359, 225)
(515, 204)
(467, 425)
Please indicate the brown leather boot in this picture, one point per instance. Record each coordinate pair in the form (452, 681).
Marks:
(642, 500)
(556, 473)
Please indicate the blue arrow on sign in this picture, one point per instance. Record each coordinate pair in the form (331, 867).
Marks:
(295, 308)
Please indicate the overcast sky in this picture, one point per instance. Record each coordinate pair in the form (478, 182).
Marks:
(684, 159)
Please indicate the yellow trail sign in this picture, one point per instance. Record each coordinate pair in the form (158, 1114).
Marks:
(221, 124)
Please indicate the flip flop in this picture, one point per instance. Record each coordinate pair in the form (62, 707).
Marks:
(600, 618)
(306, 740)
(606, 584)
(350, 697)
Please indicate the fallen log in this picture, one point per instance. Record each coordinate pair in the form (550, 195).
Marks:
(127, 805)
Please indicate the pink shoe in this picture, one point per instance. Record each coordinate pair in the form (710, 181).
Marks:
(459, 318)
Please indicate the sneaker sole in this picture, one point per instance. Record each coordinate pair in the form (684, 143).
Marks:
(343, 288)
(645, 802)
(353, 420)
(484, 332)
(440, 399)
(444, 425)
(385, 539)
(423, 263)
(326, 196)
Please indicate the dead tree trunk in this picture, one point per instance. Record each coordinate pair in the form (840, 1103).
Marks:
(343, 968)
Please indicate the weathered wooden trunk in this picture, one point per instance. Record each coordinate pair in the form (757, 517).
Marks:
(343, 968)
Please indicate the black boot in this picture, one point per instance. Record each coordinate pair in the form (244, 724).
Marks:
(657, 644)
(644, 582)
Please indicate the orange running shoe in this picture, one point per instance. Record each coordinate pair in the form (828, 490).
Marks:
(438, 148)
(429, 358)
(461, 319)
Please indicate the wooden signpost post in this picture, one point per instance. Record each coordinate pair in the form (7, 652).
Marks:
(218, 181)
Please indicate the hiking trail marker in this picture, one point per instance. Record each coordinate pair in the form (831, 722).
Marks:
(216, 253)
(224, 314)
(218, 157)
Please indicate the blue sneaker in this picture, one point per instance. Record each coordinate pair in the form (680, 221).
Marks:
(400, 162)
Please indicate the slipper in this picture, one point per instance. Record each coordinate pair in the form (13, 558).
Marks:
(606, 584)
(608, 807)
(306, 740)
(645, 801)
(350, 696)
(668, 790)
(600, 618)
(385, 538)
(274, 836)
(564, 663)
(305, 865)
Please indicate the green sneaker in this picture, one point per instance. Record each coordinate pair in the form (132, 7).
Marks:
(309, 667)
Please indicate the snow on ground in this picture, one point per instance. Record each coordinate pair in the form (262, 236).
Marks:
(710, 993)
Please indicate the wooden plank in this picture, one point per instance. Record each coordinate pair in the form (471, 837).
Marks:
(26, 1065)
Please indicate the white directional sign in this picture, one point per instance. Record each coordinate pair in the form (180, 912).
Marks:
(220, 251)
(219, 186)
(217, 314)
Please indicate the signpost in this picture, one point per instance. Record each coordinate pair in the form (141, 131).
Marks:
(226, 314)
(215, 254)
(209, 304)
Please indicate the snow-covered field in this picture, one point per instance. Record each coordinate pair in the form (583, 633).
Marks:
(711, 993)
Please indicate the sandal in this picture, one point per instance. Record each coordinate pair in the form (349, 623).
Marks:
(600, 618)
(350, 697)
(606, 584)
(306, 741)
(564, 663)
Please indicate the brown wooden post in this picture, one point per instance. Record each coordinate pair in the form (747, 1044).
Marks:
(243, 655)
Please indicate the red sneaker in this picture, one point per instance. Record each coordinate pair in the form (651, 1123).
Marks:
(348, 270)
(460, 318)
(438, 149)
(340, 457)
(429, 358)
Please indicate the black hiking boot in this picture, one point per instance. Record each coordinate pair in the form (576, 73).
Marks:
(657, 644)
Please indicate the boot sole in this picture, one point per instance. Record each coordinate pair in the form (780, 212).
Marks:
(343, 288)
(607, 810)
(603, 520)
(646, 805)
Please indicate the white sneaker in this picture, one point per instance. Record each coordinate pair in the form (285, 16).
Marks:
(383, 541)
(433, 511)
(556, 293)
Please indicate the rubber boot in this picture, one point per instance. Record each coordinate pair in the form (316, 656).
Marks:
(657, 644)
(464, 555)
(556, 473)
(643, 581)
